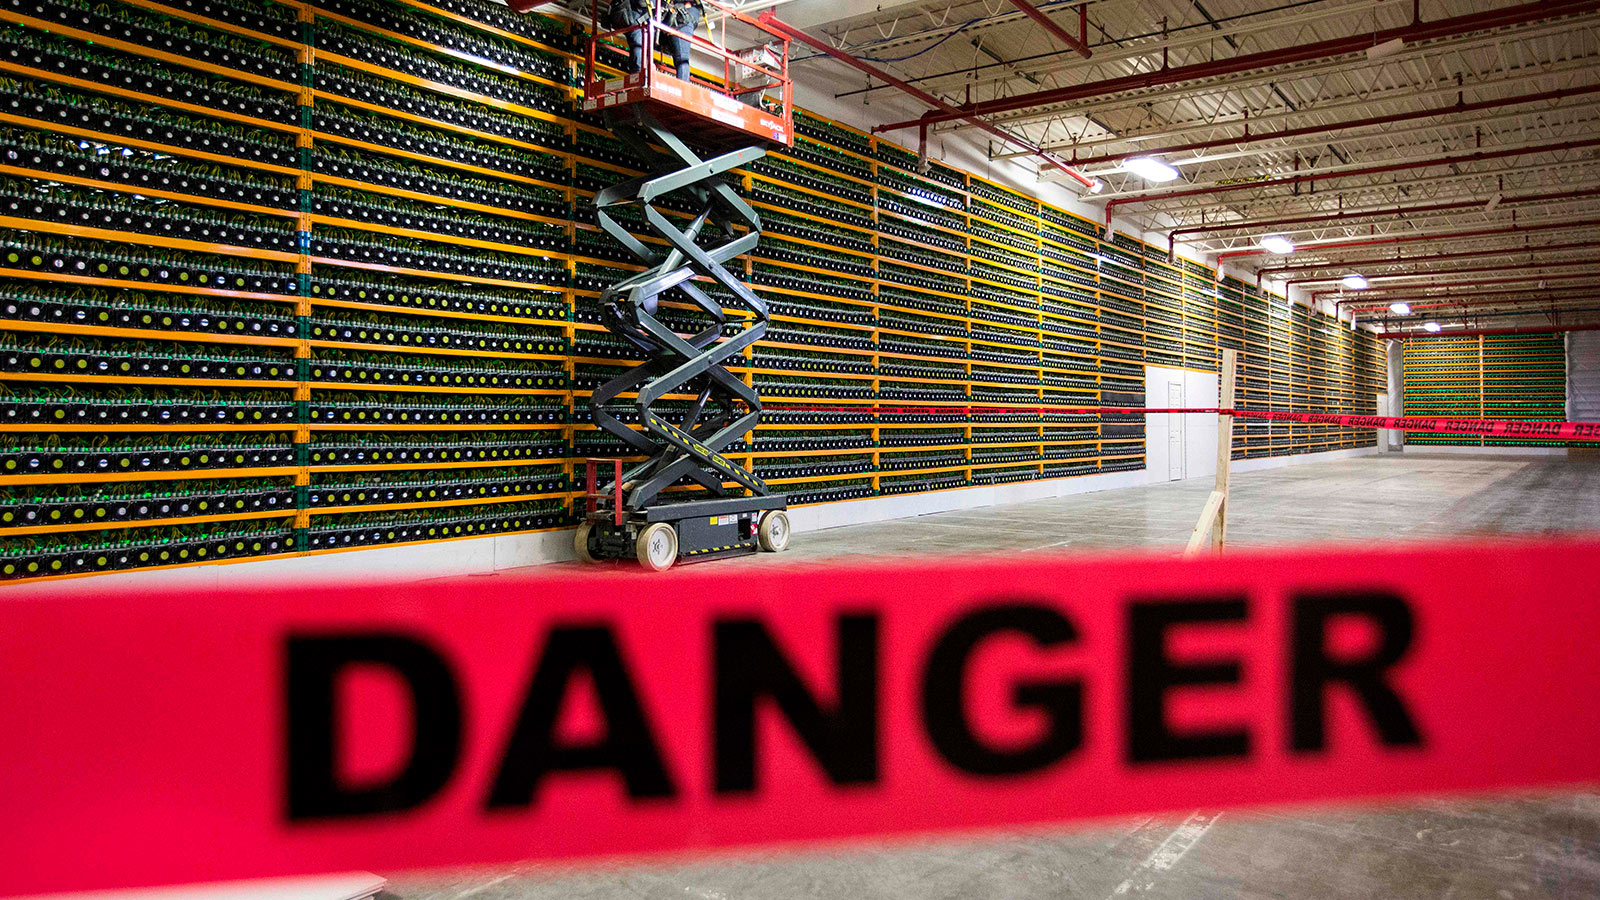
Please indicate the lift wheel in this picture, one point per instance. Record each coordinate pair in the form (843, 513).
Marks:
(773, 532)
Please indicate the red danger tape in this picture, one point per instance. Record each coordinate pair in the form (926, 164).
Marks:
(156, 736)
(983, 410)
(1522, 429)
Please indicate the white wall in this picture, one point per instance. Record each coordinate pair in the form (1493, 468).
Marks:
(1387, 437)
(1583, 376)
(1394, 356)
(1200, 390)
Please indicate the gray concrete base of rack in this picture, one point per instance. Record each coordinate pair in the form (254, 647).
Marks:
(1545, 848)
(885, 509)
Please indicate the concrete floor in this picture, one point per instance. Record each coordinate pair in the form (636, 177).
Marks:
(1493, 849)
(1385, 497)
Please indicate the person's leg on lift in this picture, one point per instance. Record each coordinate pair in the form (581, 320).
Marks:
(626, 14)
(678, 49)
(686, 18)
(635, 51)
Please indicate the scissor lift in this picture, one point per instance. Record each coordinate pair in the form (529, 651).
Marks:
(630, 512)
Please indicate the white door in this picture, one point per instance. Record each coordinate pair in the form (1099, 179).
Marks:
(1385, 435)
(1175, 449)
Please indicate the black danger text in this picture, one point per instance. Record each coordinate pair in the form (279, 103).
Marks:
(839, 723)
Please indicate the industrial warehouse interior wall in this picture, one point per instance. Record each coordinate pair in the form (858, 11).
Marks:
(1583, 376)
(286, 279)
(1520, 376)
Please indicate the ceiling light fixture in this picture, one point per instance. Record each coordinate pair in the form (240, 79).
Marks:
(1096, 186)
(1431, 327)
(1400, 309)
(1354, 282)
(1151, 169)
(1277, 243)
(1387, 48)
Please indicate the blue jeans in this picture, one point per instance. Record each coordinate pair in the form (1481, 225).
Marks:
(678, 49)
(635, 51)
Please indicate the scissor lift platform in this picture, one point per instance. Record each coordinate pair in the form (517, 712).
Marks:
(680, 497)
(683, 107)
(721, 115)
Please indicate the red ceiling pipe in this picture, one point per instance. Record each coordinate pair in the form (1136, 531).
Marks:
(1558, 264)
(1479, 318)
(1080, 44)
(1539, 302)
(1507, 17)
(1422, 238)
(1478, 283)
(1429, 257)
(1386, 293)
(1474, 156)
(1544, 303)
(1235, 254)
(1377, 300)
(1382, 292)
(1456, 108)
(1379, 213)
(1487, 332)
(772, 21)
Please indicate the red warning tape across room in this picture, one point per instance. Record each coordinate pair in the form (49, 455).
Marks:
(1523, 429)
(159, 733)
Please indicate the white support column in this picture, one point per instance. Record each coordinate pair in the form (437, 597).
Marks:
(1214, 517)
